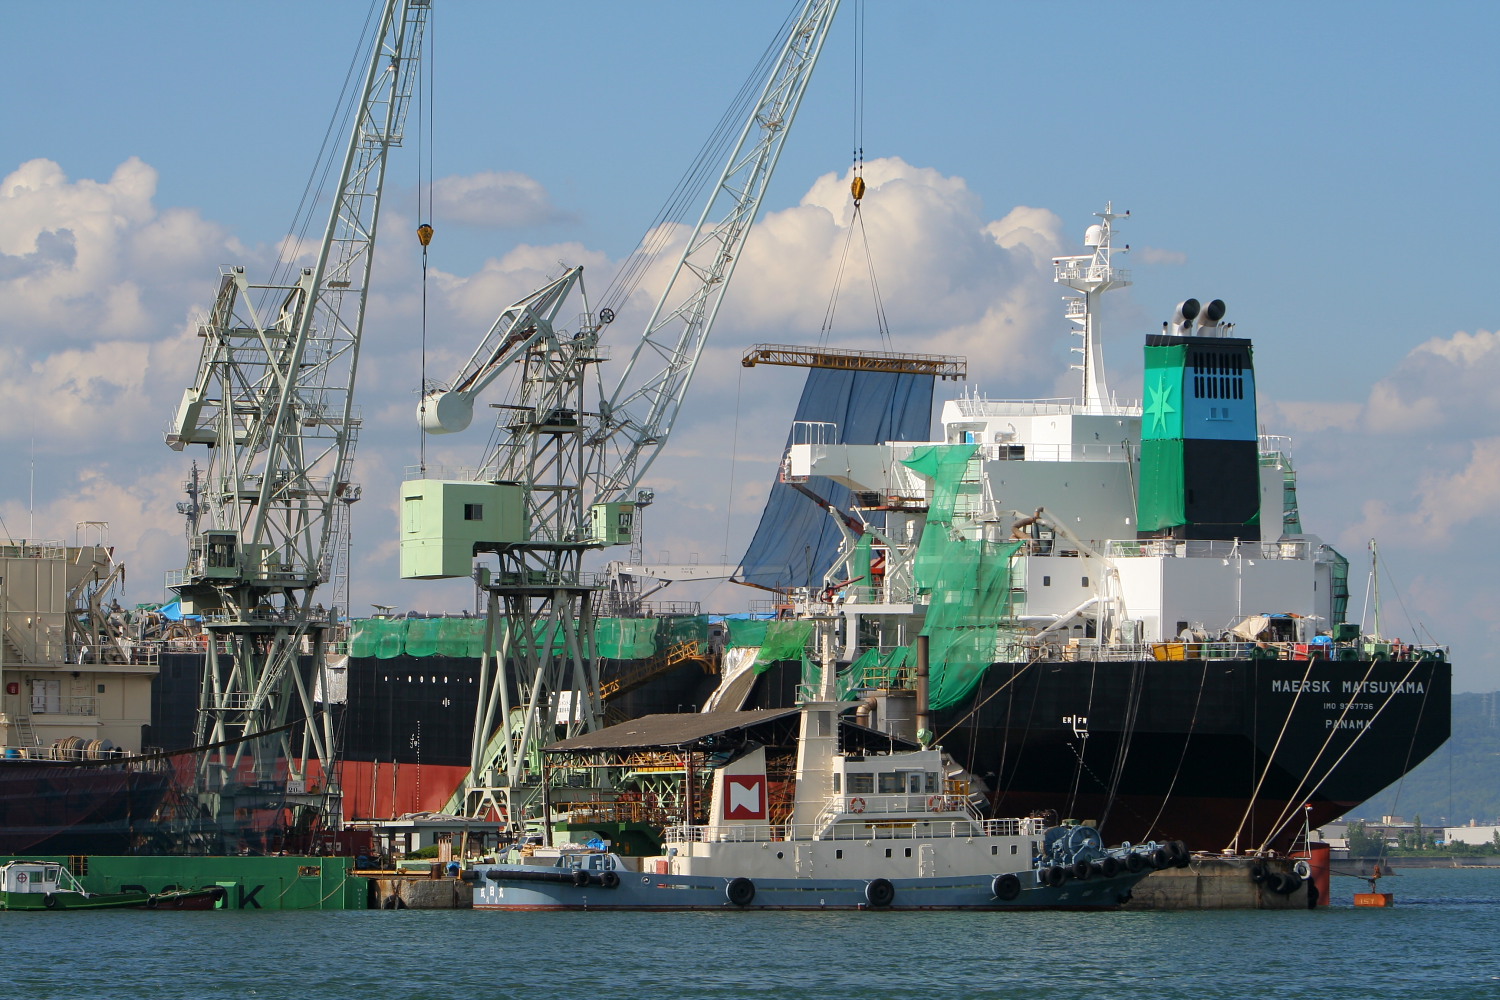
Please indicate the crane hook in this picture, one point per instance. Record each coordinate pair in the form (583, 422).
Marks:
(857, 188)
(424, 234)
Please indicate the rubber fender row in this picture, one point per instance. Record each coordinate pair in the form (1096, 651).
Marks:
(1173, 854)
(1281, 883)
(575, 876)
(878, 892)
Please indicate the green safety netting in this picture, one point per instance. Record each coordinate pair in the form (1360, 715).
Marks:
(744, 633)
(684, 628)
(616, 638)
(845, 684)
(863, 589)
(626, 638)
(785, 639)
(382, 637)
(777, 639)
(966, 580)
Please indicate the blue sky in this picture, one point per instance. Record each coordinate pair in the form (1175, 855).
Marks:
(1323, 168)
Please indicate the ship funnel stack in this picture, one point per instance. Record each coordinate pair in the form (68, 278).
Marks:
(1200, 465)
(1212, 313)
(1182, 319)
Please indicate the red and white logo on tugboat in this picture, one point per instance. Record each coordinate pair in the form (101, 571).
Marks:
(744, 796)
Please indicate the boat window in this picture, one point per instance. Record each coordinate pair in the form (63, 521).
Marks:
(914, 782)
(890, 784)
(50, 875)
(861, 783)
(836, 777)
(933, 783)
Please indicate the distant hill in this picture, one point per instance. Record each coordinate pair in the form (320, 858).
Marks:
(1460, 782)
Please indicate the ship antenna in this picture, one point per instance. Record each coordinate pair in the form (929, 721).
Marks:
(1093, 274)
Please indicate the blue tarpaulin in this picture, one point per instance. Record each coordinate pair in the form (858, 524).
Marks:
(796, 543)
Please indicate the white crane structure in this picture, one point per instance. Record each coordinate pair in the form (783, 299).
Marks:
(563, 480)
(273, 401)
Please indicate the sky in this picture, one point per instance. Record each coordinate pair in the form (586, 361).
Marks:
(1315, 166)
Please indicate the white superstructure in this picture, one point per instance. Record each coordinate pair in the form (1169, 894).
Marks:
(1062, 478)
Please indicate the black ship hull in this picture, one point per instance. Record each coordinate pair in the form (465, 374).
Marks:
(54, 808)
(1218, 753)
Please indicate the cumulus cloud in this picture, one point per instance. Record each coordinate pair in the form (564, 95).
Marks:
(76, 256)
(1446, 381)
(501, 199)
(1158, 255)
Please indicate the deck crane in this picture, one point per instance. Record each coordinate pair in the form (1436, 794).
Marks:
(273, 401)
(563, 480)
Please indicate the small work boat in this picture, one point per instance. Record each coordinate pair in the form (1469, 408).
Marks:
(48, 885)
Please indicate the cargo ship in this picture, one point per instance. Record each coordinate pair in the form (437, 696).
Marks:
(1128, 622)
(75, 705)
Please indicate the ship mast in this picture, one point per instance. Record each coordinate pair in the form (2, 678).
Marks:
(1093, 274)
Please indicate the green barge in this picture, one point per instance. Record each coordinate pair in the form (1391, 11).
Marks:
(248, 883)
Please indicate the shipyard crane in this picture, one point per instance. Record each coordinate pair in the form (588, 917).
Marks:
(563, 479)
(273, 401)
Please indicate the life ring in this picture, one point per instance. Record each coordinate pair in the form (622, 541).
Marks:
(1303, 869)
(1005, 887)
(856, 805)
(935, 803)
(50, 901)
(740, 891)
(879, 892)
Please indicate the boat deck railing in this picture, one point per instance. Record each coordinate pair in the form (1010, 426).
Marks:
(872, 827)
(1206, 549)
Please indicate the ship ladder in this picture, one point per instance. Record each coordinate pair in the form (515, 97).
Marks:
(26, 731)
(667, 660)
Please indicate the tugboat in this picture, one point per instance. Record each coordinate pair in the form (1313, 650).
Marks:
(47, 885)
(874, 823)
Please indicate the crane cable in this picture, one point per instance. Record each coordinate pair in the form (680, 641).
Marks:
(857, 191)
(424, 234)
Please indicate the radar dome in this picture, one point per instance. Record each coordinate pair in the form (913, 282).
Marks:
(1094, 236)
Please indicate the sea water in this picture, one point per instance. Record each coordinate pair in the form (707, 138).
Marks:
(1441, 939)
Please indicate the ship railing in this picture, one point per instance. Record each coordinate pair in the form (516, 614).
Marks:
(1083, 268)
(1194, 548)
(1358, 651)
(288, 616)
(1092, 452)
(25, 549)
(869, 827)
(55, 752)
